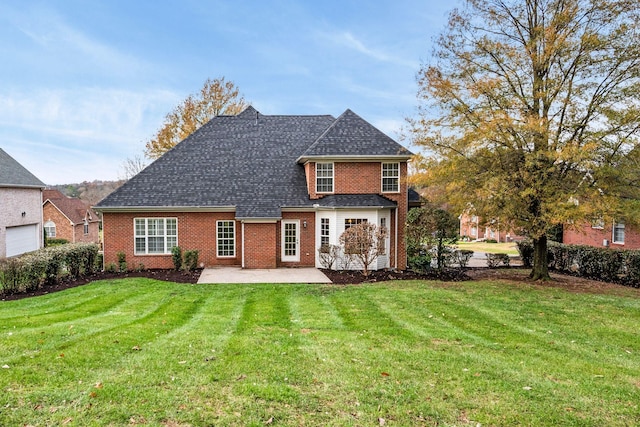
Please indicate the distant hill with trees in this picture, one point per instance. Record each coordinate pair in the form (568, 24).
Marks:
(90, 192)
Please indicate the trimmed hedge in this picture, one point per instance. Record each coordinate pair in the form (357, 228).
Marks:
(610, 265)
(45, 267)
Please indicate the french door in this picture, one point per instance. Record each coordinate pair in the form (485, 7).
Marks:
(290, 240)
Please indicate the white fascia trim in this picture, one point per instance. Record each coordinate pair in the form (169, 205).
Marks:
(258, 220)
(164, 209)
(359, 158)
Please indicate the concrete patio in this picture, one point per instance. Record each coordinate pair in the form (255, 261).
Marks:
(277, 275)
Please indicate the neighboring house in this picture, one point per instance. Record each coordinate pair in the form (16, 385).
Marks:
(262, 191)
(20, 208)
(473, 228)
(601, 234)
(69, 218)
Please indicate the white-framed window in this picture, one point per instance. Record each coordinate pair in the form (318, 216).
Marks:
(598, 223)
(155, 236)
(474, 231)
(350, 222)
(324, 177)
(382, 244)
(226, 241)
(390, 177)
(50, 229)
(618, 233)
(86, 227)
(324, 232)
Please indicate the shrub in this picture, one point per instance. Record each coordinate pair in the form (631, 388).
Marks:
(494, 260)
(111, 267)
(45, 266)
(328, 255)
(491, 241)
(462, 257)
(122, 261)
(420, 263)
(56, 242)
(525, 249)
(176, 257)
(191, 260)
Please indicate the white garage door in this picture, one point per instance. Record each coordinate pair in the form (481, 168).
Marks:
(22, 239)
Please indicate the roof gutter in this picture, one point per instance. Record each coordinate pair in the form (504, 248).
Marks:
(125, 209)
(360, 158)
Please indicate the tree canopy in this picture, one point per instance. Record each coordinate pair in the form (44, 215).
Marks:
(215, 98)
(530, 113)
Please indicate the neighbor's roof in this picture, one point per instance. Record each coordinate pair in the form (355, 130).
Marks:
(74, 209)
(13, 174)
(247, 162)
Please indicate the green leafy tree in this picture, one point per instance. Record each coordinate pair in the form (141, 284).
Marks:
(431, 229)
(215, 98)
(530, 112)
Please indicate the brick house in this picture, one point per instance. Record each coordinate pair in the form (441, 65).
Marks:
(69, 218)
(261, 191)
(20, 208)
(473, 228)
(615, 235)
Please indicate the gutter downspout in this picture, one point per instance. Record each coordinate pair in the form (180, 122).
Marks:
(242, 232)
(396, 243)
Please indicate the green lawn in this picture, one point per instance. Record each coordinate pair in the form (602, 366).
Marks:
(138, 351)
(494, 248)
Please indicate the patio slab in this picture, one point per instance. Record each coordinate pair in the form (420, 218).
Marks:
(277, 275)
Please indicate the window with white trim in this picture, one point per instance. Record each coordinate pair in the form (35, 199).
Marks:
(618, 233)
(324, 232)
(598, 223)
(50, 229)
(155, 236)
(350, 222)
(390, 177)
(86, 227)
(324, 177)
(382, 244)
(226, 238)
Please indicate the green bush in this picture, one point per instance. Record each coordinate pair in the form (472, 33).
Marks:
(122, 262)
(176, 257)
(420, 263)
(191, 260)
(525, 249)
(56, 242)
(494, 260)
(462, 257)
(491, 241)
(45, 266)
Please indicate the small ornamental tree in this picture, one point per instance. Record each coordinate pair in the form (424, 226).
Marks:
(432, 229)
(362, 242)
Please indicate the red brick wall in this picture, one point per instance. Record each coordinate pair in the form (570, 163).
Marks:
(195, 231)
(586, 235)
(260, 245)
(64, 229)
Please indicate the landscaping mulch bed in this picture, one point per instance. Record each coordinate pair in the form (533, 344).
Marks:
(158, 274)
(510, 274)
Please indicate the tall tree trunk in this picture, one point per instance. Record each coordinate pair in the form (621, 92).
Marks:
(540, 259)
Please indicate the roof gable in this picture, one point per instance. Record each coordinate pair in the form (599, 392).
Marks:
(74, 209)
(13, 174)
(352, 136)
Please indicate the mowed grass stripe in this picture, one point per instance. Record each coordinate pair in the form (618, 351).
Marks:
(335, 355)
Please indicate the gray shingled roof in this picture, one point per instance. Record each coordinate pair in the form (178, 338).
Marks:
(13, 174)
(352, 136)
(248, 161)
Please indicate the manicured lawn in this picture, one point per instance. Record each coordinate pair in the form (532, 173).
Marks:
(493, 248)
(139, 351)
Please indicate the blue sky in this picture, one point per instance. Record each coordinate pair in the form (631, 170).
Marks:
(84, 84)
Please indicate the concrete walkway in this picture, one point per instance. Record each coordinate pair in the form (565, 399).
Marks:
(278, 275)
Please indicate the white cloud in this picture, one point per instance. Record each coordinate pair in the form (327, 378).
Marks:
(80, 134)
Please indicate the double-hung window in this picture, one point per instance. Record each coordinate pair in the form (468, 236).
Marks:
(85, 227)
(618, 232)
(226, 238)
(324, 177)
(50, 229)
(155, 236)
(391, 177)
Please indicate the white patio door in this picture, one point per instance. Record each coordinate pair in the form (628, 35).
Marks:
(290, 241)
